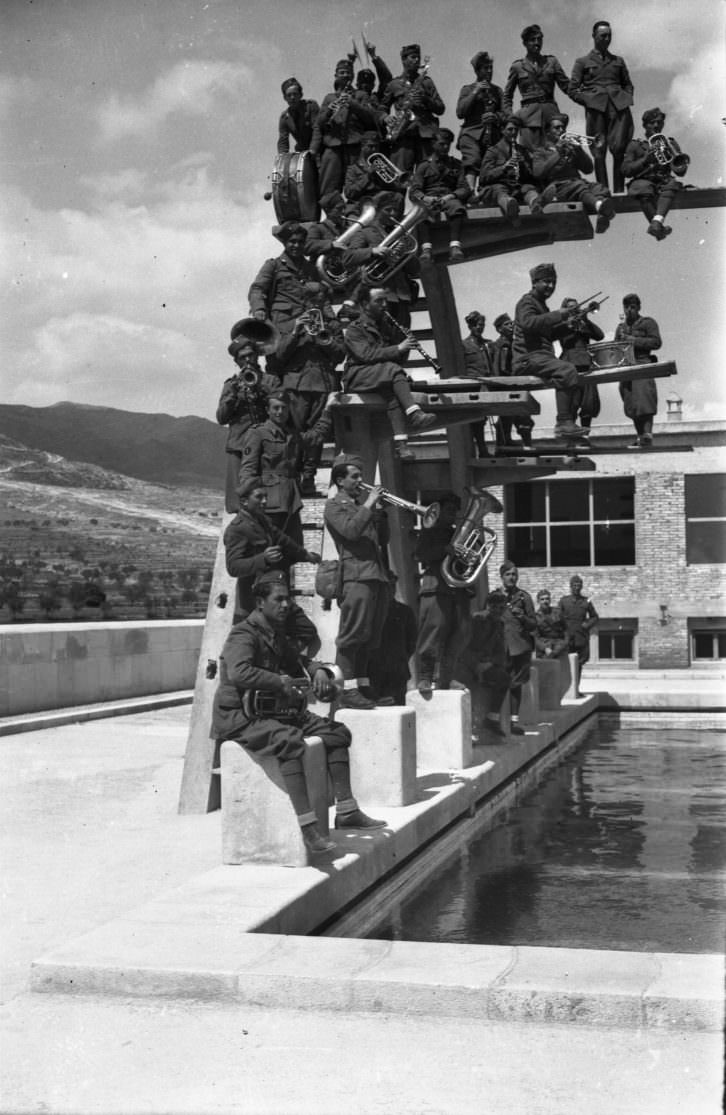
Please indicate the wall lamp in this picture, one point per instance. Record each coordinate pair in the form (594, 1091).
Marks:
(665, 616)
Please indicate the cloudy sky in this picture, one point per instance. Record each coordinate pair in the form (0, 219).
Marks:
(138, 138)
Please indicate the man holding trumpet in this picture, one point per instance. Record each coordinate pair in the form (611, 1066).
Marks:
(558, 164)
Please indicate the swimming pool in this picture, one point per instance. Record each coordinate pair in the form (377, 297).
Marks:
(622, 845)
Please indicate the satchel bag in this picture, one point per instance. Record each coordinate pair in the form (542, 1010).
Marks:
(328, 576)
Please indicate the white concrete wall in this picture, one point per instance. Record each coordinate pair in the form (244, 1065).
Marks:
(64, 664)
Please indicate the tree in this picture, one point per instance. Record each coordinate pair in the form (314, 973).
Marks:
(11, 597)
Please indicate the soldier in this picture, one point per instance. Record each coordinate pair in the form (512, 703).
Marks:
(536, 76)
(278, 292)
(600, 81)
(506, 178)
(652, 167)
(321, 237)
(273, 453)
(260, 656)
(414, 107)
(298, 119)
(574, 339)
(364, 248)
(480, 110)
(519, 626)
(640, 396)
(549, 639)
(580, 617)
(477, 363)
(502, 366)
(558, 166)
(439, 184)
(343, 117)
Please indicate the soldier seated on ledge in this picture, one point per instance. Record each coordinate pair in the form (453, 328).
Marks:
(259, 656)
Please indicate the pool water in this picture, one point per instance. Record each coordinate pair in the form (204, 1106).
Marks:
(621, 846)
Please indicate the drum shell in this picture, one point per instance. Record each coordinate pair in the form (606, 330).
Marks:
(611, 354)
(295, 187)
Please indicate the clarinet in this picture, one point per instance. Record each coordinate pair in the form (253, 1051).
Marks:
(410, 336)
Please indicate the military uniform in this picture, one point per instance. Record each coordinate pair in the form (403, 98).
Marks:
(640, 396)
(476, 137)
(574, 339)
(308, 369)
(533, 351)
(245, 540)
(413, 142)
(558, 172)
(550, 634)
(601, 82)
(276, 456)
(536, 82)
(240, 408)
(337, 136)
(519, 625)
(579, 615)
(297, 124)
(653, 184)
(443, 614)
(497, 184)
(279, 290)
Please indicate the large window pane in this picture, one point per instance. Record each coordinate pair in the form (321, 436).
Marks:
(570, 545)
(526, 503)
(569, 501)
(614, 544)
(702, 644)
(705, 542)
(527, 545)
(706, 496)
(613, 499)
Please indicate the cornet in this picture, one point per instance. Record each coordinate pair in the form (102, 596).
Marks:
(574, 139)
(429, 515)
(473, 543)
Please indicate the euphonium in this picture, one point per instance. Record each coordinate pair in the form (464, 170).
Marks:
(384, 168)
(429, 515)
(395, 249)
(666, 154)
(330, 266)
(473, 543)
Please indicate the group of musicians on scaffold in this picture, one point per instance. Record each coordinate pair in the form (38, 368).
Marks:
(361, 154)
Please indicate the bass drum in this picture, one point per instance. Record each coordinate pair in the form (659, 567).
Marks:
(611, 354)
(295, 187)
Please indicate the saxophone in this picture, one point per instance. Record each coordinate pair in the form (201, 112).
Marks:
(399, 118)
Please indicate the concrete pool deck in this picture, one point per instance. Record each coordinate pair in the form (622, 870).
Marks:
(113, 890)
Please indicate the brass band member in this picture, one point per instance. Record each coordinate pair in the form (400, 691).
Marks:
(259, 655)
(439, 183)
(557, 166)
(274, 453)
(502, 366)
(576, 335)
(536, 76)
(652, 169)
(343, 117)
(600, 81)
(414, 106)
(640, 396)
(365, 81)
(480, 110)
(297, 121)
(477, 363)
(506, 178)
(278, 290)
(364, 247)
(362, 182)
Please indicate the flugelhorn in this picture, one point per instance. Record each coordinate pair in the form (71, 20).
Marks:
(429, 515)
(597, 142)
(330, 265)
(473, 543)
(262, 334)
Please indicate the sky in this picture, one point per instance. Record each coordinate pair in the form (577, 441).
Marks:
(137, 142)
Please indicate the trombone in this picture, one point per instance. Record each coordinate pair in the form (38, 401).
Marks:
(429, 515)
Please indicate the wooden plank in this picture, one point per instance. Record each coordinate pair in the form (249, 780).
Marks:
(660, 370)
(554, 462)
(463, 407)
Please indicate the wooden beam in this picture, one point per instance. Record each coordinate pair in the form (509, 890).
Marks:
(628, 372)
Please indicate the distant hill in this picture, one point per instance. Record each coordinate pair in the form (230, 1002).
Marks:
(161, 449)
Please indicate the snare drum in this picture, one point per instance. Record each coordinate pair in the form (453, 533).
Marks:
(295, 187)
(611, 354)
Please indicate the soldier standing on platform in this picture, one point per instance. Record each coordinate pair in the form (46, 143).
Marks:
(480, 110)
(580, 617)
(477, 364)
(273, 453)
(259, 656)
(600, 81)
(359, 529)
(502, 366)
(343, 117)
(574, 339)
(519, 626)
(640, 396)
(536, 76)
(414, 107)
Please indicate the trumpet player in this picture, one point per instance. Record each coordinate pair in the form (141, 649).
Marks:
(439, 184)
(601, 82)
(479, 108)
(505, 178)
(557, 166)
(652, 169)
(344, 116)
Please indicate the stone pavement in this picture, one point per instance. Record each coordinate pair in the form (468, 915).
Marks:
(90, 831)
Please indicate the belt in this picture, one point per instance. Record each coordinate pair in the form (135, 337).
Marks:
(536, 100)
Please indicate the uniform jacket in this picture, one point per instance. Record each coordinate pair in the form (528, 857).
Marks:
(536, 85)
(494, 159)
(297, 125)
(253, 657)
(578, 614)
(534, 328)
(240, 408)
(598, 79)
(425, 121)
(472, 104)
(278, 288)
(551, 164)
(361, 181)
(435, 177)
(308, 365)
(370, 355)
(518, 619)
(502, 356)
(245, 540)
(477, 357)
(399, 286)
(321, 237)
(637, 165)
(338, 129)
(276, 456)
(646, 337)
(360, 535)
(574, 339)
(550, 632)
(432, 546)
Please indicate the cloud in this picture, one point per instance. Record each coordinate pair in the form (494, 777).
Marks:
(191, 88)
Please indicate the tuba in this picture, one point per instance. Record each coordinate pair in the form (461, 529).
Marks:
(330, 266)
(395, 249)
(473, 543)
(666, 154)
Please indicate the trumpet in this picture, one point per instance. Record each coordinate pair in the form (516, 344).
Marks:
(473, 543)
(573, 139)
(410, 336)
(429, 515)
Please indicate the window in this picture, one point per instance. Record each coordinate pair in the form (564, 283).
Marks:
(705, 518)
(572, 522)
(708, 639)
(616, 640)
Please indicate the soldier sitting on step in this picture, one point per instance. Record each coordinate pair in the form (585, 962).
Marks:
(550, 640)
(260, 658)
(439, 184)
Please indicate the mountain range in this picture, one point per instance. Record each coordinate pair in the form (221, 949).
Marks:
(161, 449)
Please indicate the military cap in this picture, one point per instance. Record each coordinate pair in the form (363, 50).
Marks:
(474, 316)
(344, 63)
(543, 271)
(445, 133)
(513, 119)
(280, 394)
(239, 343)
(480, 57)
(331, 199)
(543, 592)
(284, 231)
(270, 577)
(651, 114)
(412, 48)
(249, 484)
(562, 117)
(288, 82)
(386, 199)
(532, 29)
(506, 565)
(631, 298)
(365, 75)
(500, 319)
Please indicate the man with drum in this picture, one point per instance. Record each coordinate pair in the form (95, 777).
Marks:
(297, 121)
(640, 396)
(344, 115)
(259, 656)
(278, 292)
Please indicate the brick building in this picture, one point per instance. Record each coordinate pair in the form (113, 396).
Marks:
(646, 532)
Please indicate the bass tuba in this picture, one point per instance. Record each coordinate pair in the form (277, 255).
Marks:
(330, 266)
(473, 543)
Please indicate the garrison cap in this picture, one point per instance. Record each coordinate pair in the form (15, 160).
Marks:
(651, 114)
(280, 394)
(412, 48)
(506, 565)
(284, 231)
(249, 484)
(288, 82)
(543, 271)
(562, 117)
(363, 76)
(474, 316)
(480, 58)
(543, 592)
(500, 319)
(271, 577)
(331, 199)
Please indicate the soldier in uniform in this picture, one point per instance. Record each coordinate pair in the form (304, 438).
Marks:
(502, 366)
(640, 396)
(549, 640)
(600, 81)
(343, 117)
(536, 76)
(440, 185)
(558, 166)
(479, 108)
(253, 545)
(414, 107)
(359, 529)
(576, 335)
(505, 177)
(519, 627)
(274, 453)
(321, 237)
(260, 656)
(477, 363)
(652, 182)
(580, 617)
(297, 121)
(362, 182)
(278, 292)
(364, 248)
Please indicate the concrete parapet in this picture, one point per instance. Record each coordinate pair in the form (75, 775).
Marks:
(553, 675)
(529, 708)
(573, 690)
(258, 821)
(383, 754)
(443, 729)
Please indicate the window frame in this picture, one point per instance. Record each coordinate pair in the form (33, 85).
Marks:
(696, 478)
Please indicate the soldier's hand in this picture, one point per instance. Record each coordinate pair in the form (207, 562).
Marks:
(405, 345)
(287, 685)
(373, 496)
(260, 315)
(272, 554)
(323, 688)
(314, 558)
